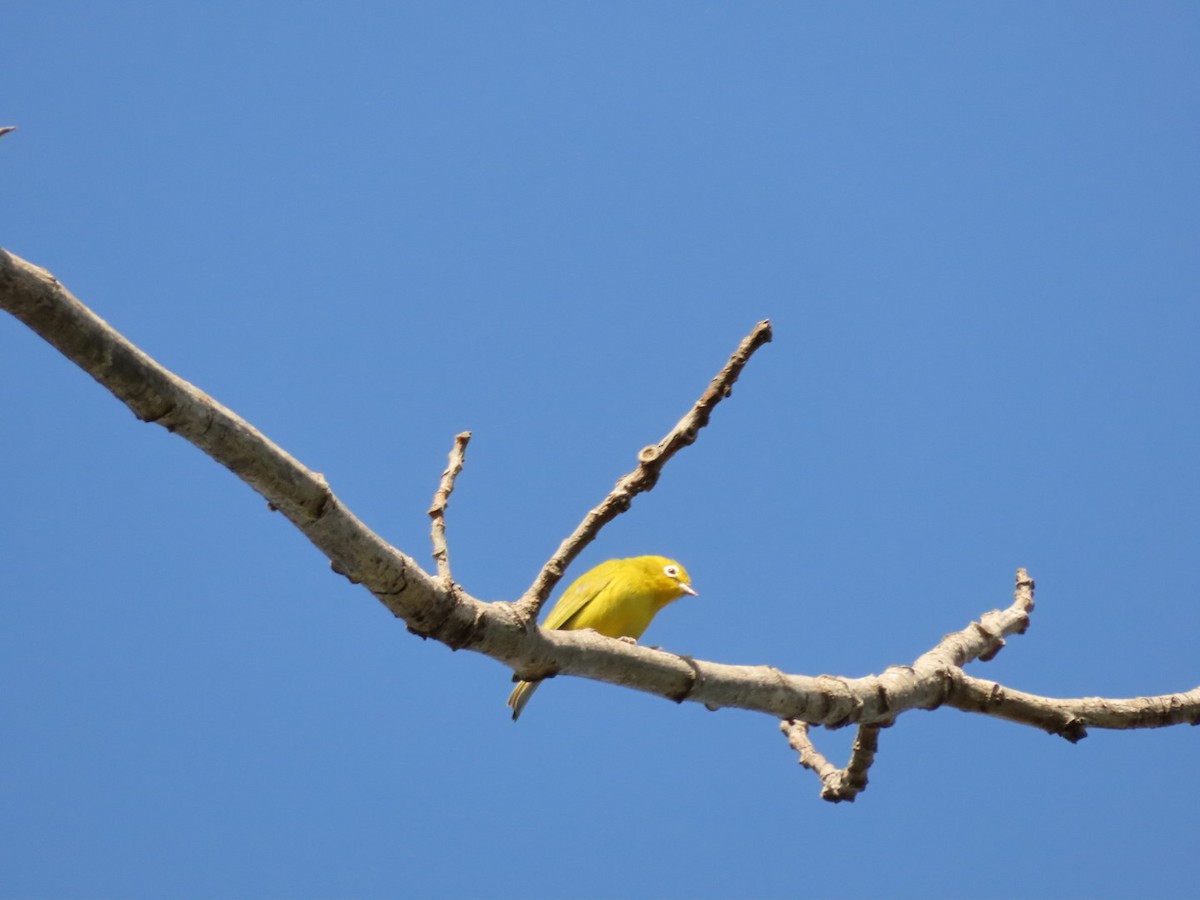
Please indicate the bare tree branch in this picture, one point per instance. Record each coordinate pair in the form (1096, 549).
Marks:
(1071, 718)
(836, 784)
(982, 640)
(435, 607)
(156, 395)
(934, 670)
(437, 511)
(650, 463)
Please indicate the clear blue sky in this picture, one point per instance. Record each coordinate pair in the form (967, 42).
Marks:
(364, 228)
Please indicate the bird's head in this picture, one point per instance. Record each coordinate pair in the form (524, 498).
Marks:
(668, 578)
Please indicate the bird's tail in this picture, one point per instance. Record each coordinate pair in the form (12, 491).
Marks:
(520, 696)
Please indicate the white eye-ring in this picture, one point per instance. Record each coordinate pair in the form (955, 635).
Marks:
(671, 571)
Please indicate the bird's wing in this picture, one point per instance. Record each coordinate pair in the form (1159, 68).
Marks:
(582, 592)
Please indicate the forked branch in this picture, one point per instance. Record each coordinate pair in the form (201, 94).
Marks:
(836, 784)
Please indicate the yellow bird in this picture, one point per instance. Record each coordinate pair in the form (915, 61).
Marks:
(618, 598)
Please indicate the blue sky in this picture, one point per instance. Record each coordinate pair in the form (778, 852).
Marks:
(975, 227)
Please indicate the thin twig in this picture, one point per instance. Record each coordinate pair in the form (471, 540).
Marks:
(810, 757)
(862, 755)
(441, 500)
(650, 463)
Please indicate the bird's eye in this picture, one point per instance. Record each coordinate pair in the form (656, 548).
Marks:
(671, 571)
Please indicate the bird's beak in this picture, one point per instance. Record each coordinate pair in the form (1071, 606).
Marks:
(687, 589)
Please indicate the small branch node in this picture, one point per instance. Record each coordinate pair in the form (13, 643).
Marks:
(521, 614)
(340, 570)
(991, 654)
(695, 679)
(1073, 730)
